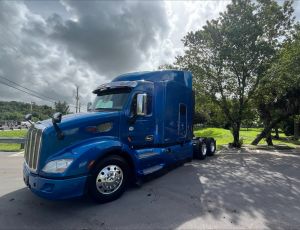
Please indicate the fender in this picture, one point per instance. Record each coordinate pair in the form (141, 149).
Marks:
(87, 151)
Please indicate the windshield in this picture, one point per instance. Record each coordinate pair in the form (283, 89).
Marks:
(111, 100)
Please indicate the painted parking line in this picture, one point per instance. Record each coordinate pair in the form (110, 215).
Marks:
(19, 154)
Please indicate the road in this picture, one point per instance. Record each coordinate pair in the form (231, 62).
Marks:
(6, 128)
(229, 191)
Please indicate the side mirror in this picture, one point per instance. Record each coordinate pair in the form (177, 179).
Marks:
(56, 118)
(141, 106)
(28, 117)
(89, 106)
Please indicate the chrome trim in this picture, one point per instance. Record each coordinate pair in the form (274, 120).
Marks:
(32, 148)
(109, 179)
(38, 150)
(147, 154)
(152, 169)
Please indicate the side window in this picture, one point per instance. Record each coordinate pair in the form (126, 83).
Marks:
(182, 109)
(149, 104)
(133, 104)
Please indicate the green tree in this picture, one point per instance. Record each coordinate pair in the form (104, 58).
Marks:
(62, 107)
(209, 110)
(278, 96)
(13, 110)
(228, 55)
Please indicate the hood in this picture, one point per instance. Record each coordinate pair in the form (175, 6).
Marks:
(74, 128)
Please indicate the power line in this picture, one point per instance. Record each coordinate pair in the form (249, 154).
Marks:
(31, 92)
(27, 88)
(4, 83)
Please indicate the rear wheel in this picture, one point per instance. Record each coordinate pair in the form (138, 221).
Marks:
(211, 146)
(109, 179)
(199, 148)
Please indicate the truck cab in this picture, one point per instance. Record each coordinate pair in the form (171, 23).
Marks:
(138, 124)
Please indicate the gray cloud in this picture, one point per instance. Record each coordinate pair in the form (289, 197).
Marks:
(112, 37)
(52, 54)
(30, 58)
(52, 46)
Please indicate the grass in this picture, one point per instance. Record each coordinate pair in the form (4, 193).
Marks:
(11, 133)
(224, 136)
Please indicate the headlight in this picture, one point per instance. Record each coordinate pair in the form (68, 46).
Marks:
(57, 166)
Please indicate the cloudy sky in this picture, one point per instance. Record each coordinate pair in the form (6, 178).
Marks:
(51, 46)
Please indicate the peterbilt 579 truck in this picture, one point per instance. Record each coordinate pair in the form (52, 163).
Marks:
(139, 124)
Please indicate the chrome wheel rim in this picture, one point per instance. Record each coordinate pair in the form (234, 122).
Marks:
(203, 149)
(212, 147)
(109, 179)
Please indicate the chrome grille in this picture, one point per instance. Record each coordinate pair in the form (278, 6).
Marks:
(32, 147)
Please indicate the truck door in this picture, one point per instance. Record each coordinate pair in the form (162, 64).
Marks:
(141, 131)
(182, 121)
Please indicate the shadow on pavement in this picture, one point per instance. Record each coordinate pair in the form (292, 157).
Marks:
(226, 191)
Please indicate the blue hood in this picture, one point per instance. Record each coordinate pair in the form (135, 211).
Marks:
(74, 130)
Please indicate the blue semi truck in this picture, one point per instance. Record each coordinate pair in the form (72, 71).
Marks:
(139, 124)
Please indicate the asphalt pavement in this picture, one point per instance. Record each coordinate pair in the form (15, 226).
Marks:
(247, 190)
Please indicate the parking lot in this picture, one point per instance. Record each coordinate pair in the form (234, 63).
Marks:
(248, 190)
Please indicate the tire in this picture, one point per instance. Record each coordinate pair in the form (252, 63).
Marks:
(211, 146)
(199, 149)
(109, 179)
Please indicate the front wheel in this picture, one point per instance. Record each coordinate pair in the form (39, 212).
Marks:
(109, 179)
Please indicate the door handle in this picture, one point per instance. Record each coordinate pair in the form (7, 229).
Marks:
(149, 138)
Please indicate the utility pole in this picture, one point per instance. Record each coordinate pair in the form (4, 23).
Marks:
(31, 106)
(77, 99)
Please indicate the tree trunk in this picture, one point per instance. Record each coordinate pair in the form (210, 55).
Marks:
(276, 133)
(236, 135)
(261, 135)
(267, 118)
(296, 128)
(269, 139)
(269, 133)
(267, 130)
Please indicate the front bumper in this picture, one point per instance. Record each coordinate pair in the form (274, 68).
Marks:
(54, 189)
